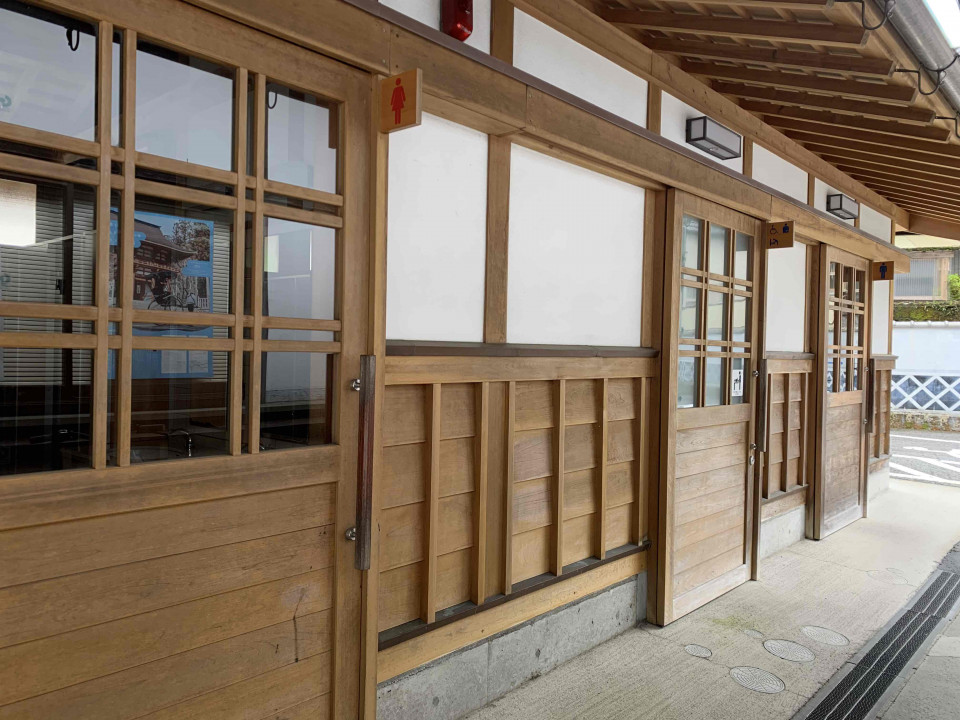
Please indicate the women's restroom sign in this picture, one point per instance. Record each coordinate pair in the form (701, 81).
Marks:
(401, 101)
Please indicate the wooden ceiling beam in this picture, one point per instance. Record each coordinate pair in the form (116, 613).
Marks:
(773, 112)
(918, 208)
(888, 92)
(859, 169)
(913, 114)
(932, 197)
(833, 154)
(780, 4)
(919, 159)
(725, 26)
(916, 145)
(864, 66)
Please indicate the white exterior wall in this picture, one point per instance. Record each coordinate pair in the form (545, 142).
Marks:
(880, 319)
(436, 232)
(773, 170)
(674, 114)
(875, 223)
(428, 12)
(820, 192)
(576, 254)
(786, 298)
(927, 347)
(555, 58)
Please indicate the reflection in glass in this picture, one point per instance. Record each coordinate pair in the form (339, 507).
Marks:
(832, 327)
(741, 257)
(179, 400)
(854, 374)
(845, 329)
(690, 245)
(717, 316)
(48, 77)
(184, 108)
(856, 337)
(831, 364)
(295, 402)
(740, 312)
(858, 286)
(116, 99)
(45, 409)
(847, 284)
(834, 271)
(688, 374)
(719, 250)
(47, 241)
(739, 368)
(689, 312)
(299, 270)
(298, 335)
(713, 389)
(301, 139)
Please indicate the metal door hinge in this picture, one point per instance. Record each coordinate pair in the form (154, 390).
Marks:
(355, 385)
(350, 534)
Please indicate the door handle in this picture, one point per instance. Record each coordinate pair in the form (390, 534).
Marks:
(362, 531)
(762, 383)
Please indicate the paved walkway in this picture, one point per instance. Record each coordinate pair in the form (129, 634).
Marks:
(925, 456)
(850, 583)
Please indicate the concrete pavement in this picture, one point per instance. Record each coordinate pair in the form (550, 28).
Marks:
(851, 583)
(925, 456)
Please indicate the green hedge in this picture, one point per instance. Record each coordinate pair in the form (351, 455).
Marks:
(953, 281)
(921, 310)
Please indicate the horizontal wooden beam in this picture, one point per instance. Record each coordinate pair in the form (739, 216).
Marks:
(895, 183)
(916, 146)
(921, 116)
(887, 92)
(894, 153)
(826, 145)
(864, 66)
(927, 199)
(918, 208)
(863, 169)
(785, 4)
(819, 33)
(772, 113)
(928, 226)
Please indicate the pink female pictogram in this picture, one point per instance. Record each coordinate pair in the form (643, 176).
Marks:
(397, 100)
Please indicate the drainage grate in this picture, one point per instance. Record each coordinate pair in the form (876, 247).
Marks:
(824, 636)
(789, 650)
(698, 651)
(856, 694)
(757, 680)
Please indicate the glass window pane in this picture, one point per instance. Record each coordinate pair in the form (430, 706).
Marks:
(846, 289)
(832, 326)
(858, 287)
(690, 247)
(717, 316)
(301, 139)
(713, 390)
(299, 270)
(688, 381)
(741, 313)
(44, 84)
(845, 329)
(742, 259)
(295, 402)
(181, 257)
(45, 409)
(689, 312)
(831, 365)
(739, 368)
(842, 372)
(854, 374)
(47, 241)
(116, 101)
(179, 404)
(719, 250)
(834, 271)
(184, 108)
(856, 334)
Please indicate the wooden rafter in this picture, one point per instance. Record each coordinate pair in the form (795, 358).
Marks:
(775, 4)
(921, 162)
(885, 174)
(864, 66)
(927, 151)
(887, 92)
(919, 115)
(773, 114)
(924, 174)
(825, 34)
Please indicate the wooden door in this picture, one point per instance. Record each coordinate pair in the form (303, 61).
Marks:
(709, 403)
(844, 298)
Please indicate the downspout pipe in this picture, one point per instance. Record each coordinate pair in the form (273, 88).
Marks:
(923, 36)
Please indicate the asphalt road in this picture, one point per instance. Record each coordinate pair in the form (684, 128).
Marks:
(925, 456)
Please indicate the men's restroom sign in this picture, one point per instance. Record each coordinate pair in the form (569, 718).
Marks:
(882, 271)
(736, 383)
(401, 101)
(779, 234)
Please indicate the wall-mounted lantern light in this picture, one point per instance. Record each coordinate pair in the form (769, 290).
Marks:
(713, 138)
(844, 207)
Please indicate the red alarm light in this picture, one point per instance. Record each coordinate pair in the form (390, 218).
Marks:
(456, 18)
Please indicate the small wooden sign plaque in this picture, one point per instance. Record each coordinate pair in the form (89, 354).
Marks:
(779, 234)
(401, 100)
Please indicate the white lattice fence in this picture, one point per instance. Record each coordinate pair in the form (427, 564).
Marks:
(925, 391)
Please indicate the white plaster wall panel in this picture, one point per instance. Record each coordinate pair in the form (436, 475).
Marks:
(773, 170)
(875, 223)
(674, 114)
(820, 192)
(436, 232)
(786, 298)
(555, 58)
(927, 347)
(880, 320)
(575, 255)
(428, 12)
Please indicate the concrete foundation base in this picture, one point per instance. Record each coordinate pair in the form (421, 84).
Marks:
(461, 682)
(878, 482)
(781, 532)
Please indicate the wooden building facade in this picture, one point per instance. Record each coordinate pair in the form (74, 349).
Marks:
(448, 379)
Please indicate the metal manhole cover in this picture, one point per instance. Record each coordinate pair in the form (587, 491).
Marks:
(789, 650)
(757, 680)
(698, 651)
(755, 634)
(824, 636)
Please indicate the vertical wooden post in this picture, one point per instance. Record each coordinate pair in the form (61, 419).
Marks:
(238, 257)
(784, 469)
(804, 402)
(601, 541)
(508, 489)
(498, 218)
(256, 269)
(642, 456)
(820, 417)
(654, 107)
(811, 190)
(428, 611)
(747, 158)
(482, 450)
(124, 373)
(560, 419)
(501, 30)
(102, 266)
